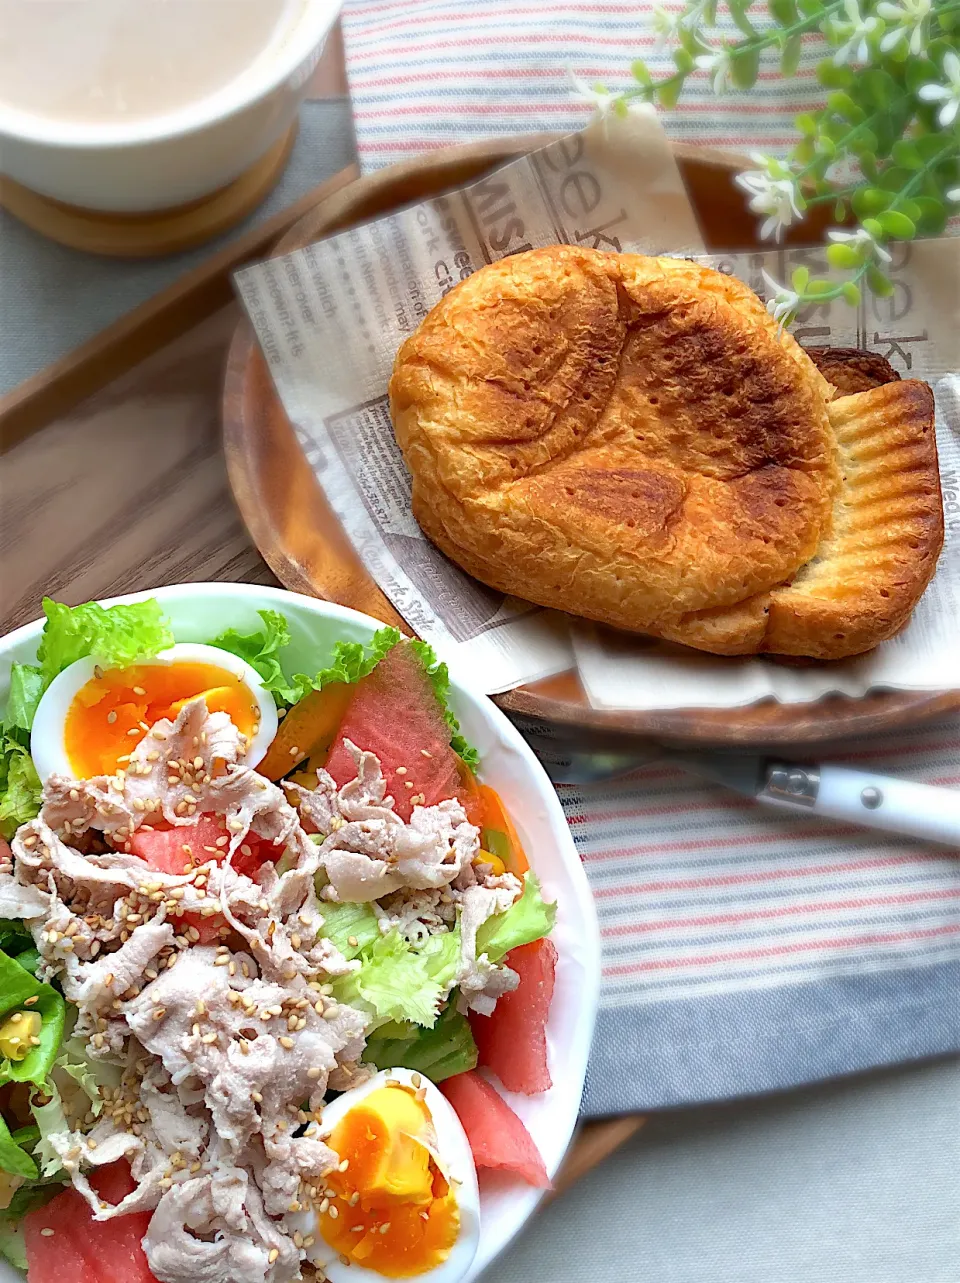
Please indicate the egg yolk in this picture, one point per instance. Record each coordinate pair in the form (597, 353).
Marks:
(393, 1212)
(110, 714)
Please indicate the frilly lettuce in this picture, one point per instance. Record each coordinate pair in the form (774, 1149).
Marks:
(20, 788)
(351, 927)
(398, 981)
(439, 676)
(115, 635)
(530, 918)
(393, 983)
(90, 1075)
(261, 649)
(13, 1157)
(27, 684)
(441, 955)
(446, 1049)
(51, 1120)
(74, 1076)
(350, 660)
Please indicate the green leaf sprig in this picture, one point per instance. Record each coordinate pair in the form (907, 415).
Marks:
(884, 150)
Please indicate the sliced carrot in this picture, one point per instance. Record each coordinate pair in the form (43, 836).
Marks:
(498, 834)
(470, 795)
(308, 728)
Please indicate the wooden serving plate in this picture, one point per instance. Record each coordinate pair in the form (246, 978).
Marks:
(302, 541)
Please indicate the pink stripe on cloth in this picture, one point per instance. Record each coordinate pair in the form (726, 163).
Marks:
(428, 73)
(692, 881)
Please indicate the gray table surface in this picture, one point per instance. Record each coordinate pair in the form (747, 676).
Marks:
(853, 1182)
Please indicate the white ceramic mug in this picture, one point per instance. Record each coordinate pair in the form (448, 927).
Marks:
(164, 161)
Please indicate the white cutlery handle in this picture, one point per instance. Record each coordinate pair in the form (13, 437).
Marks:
(872, 801)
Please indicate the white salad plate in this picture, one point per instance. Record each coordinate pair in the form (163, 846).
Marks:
(199, 612)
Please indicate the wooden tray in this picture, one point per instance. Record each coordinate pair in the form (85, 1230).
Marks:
(301, 538)
(113, 478)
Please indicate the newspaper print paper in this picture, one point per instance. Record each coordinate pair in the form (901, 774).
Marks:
(330, 318)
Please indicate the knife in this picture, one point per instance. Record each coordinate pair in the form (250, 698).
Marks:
(836, 792)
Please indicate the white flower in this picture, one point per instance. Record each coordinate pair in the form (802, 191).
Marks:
(948, 94)
(775, 197)
(601, 99)
(861, 237)
(782, 303)
(954, 195)
(605, 103)
(909, 18)
(718, 65)
(665, 26)
(691, 19)
(854, 31)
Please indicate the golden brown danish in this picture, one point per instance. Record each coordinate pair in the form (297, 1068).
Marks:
(631, 439)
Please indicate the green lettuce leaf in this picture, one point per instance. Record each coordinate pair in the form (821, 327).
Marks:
(393, 983)
(20, 788)
(349, 663)
(260, 650)
(16, 986)
(29, 959)
(353, 660)
(115, 635)
(27, 684)
(530, 918)
(14, 1158)
(350, 660)
(343, 923)
(50, 1119)
(441, 955)
(14, 937)
(91, 1076)
(446, 1049)
(439, 676)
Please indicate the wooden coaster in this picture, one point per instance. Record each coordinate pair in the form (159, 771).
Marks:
(166, 231)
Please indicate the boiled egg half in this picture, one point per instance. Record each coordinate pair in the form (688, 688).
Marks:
(405, 1202)
(90, 718)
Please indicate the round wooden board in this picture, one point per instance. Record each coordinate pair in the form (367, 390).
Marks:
(301, 538)
(163, 231)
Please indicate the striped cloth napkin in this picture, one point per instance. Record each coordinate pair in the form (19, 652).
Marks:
(744, 951)
(428, 73)
(747, 950)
